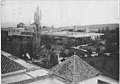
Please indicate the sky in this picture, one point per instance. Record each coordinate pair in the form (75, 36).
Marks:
(60, 13)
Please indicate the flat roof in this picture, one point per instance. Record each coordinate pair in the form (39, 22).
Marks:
(73, 34)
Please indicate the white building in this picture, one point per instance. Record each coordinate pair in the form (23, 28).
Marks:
(15, 31)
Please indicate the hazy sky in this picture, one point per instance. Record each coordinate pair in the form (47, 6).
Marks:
(61, 13)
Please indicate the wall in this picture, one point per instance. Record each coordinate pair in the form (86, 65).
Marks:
(47, 81)
(90, 81)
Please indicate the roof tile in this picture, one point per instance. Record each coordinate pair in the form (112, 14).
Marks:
(8, 65)
(75, 69)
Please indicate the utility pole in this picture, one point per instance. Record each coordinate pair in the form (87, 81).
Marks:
(37, 32)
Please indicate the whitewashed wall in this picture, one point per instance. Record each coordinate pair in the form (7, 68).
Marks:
(90, 81)
(47, 81)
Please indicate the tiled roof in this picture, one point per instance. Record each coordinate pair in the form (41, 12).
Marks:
(75, 69)
(8, 65)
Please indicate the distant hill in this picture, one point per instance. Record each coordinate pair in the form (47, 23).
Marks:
(91, 27)
(85, 28)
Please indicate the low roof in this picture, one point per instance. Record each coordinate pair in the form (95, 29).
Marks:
(75, 69)
(72, 34)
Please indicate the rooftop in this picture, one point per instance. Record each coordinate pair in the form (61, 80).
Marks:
(75, 69)
(8, 65)
(73, 34)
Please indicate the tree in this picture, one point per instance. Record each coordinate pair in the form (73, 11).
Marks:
(89, 52)
(48, 47)
(37, 32)
(107, 30)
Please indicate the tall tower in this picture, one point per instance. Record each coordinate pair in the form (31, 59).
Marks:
(37, 32)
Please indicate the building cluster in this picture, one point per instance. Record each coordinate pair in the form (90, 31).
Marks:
(48, 31)
(69, 67)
